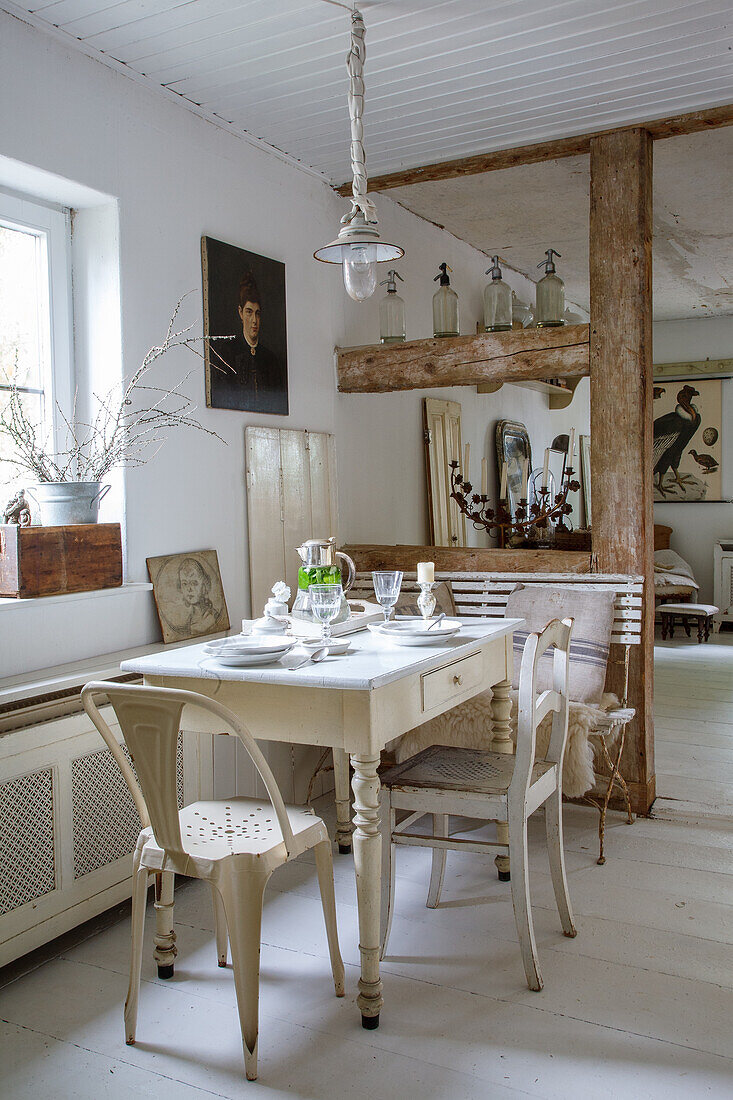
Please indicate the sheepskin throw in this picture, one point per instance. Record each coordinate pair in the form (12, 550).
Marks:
(593, 615)
(469, 726)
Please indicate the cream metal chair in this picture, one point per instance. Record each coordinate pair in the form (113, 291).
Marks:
(234, 844)
(494, 787)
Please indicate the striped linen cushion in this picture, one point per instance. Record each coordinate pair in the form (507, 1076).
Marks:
(593, 615)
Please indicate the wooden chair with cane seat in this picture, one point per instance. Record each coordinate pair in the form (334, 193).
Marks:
(234, 844)
(491, 786)
(484, 595)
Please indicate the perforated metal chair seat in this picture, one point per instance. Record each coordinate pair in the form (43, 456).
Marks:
(443, 767)
(245, 830)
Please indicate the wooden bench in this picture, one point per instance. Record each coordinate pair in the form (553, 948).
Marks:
(484, 595)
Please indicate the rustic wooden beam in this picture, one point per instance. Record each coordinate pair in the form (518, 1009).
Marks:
(672, 126)
(621, 399)
(465, 559)
(511, 356)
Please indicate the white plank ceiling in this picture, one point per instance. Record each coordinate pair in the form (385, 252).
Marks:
(445, 78)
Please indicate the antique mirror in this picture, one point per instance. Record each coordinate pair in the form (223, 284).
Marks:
(514, 451)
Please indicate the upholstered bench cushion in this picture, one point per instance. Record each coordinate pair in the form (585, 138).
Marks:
(593, 614)
(692, 609)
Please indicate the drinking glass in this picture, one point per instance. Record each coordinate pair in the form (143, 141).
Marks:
(387, 589)
(325, 605)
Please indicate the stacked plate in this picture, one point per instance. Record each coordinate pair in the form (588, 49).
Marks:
(247, 650)
(413, 631)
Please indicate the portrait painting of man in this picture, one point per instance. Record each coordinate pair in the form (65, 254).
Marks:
(188, 595)
(244, 299)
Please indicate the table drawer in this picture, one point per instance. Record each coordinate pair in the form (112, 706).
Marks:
(453, 680)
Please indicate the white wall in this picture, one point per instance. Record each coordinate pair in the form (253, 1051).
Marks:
(698, 526)
(175, 177)
(171, 177)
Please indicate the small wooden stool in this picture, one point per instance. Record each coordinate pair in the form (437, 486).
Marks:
(685, 612)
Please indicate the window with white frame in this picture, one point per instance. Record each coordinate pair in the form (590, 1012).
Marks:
(35, 325)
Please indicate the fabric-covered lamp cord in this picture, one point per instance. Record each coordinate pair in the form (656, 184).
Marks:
(355, 59)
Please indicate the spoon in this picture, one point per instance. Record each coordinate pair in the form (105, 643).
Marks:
(438, 620)
(316, 657)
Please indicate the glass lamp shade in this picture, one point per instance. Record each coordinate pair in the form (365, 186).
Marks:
(360, 273)
(359, 250)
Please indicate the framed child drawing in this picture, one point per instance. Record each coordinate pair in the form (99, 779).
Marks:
(189, 596)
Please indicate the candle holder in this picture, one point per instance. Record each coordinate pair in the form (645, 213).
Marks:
(561, 525)
(426, 599)
(525, 516)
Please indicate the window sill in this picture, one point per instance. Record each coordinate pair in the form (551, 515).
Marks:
(77, 673)
(7, 602)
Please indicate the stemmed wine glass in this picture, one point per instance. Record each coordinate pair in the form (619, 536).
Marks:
(325, 602)
(387, 589)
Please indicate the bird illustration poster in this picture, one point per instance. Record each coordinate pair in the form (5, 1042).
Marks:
(688, 446)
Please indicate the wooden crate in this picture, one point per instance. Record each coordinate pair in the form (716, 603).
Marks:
(48, 561)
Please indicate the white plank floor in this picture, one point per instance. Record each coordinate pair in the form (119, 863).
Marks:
(693, 726)
(638, 1006)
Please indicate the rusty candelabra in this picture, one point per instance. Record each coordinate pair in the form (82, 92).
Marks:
(493, 520)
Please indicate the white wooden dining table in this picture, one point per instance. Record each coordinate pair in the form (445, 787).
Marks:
(356, 704)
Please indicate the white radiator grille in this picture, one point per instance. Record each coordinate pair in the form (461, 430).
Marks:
(27, 866)
(105, 821)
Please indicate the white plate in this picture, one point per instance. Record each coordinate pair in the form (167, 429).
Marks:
(251, 644)
(246, 660)
(411, 632)
(414, 625)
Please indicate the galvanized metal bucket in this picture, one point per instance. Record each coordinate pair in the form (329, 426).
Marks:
(69, 502)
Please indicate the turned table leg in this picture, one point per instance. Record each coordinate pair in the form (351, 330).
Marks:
(367, 863)
(343, 802)
(165, 938)
(501, 709)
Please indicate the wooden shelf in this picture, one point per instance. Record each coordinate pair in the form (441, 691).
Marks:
(705, 368)
(519, 355)
(560, 396)
(469, 559)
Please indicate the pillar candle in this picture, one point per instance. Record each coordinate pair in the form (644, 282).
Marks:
(484, 477)
(502, 490)
(425, 572)
(546, 469)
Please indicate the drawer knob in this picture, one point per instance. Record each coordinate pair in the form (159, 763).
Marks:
(458, 680)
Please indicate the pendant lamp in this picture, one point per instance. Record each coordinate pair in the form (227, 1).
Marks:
(358, 247)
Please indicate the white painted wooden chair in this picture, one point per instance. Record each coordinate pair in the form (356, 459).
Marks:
(494, 787)
(484, 595)
(234, 844)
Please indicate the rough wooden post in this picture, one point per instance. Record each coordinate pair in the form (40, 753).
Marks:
(621, 404)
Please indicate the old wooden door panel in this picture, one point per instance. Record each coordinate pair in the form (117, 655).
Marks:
(291, 496)
(442, 420)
